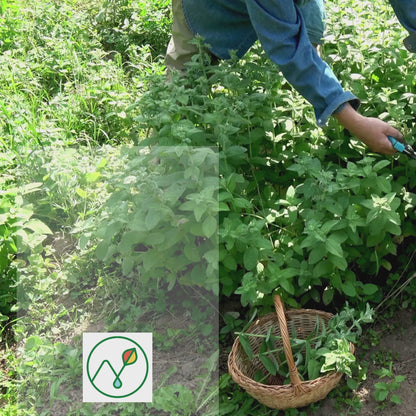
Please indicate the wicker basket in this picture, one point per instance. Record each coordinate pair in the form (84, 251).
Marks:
(282, 396)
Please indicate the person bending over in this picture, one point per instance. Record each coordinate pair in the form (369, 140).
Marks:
(289, 32)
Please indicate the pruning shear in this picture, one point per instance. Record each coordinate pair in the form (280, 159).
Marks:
(403, 147)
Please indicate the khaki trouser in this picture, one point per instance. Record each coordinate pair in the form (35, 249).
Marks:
(179, 49)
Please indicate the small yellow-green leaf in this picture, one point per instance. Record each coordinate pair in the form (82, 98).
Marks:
(81, 193)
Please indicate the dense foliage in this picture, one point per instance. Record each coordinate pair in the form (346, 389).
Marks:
(297, 206)
(108, 167)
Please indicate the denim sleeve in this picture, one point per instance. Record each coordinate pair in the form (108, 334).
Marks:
(281, 30)
(406, 13)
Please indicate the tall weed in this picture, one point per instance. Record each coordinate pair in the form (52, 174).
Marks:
(124, 26)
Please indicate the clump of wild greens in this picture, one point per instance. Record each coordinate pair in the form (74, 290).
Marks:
(326, 349)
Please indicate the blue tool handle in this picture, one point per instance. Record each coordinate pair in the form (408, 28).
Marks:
(396, 144)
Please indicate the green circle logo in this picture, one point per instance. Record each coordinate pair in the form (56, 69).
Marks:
(117, 367)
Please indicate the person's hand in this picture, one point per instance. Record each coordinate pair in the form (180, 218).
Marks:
(371, 131)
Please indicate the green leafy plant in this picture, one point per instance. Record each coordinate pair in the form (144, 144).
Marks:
(178, 400)
(163, 205)
(124, 25)
(21, 234)
(296, 207)
(384, 390)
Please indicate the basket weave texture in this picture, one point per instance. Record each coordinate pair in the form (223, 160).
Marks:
(298, 393)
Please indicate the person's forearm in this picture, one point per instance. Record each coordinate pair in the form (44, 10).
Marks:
(349, 118)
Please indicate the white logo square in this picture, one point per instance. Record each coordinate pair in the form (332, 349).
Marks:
(117, 367)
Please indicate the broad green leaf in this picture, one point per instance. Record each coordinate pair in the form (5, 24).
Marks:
(242, 203)
(327, 296)
(174, 192)
(349, 289)
(268, 364)
(317, 253)
(287, 273)
(374, 239)
(81, 193)
(338, 262)
(313, 369)
(352, 383)
(393, 228)
(102, 163)
(222, 206)
(372, 215)
(154, 238)
(323, 268)
(30, 187)
(269, 333)
(199, 211)
(101, 250)
(381, 164)
(336, 282)
(328, 225)
(33, 343)
(151, 259)
(129, 239)
(384, 184)
(211, 257)
(264, 346)
(333, 246)
(310, 241)
(250, 258)
(288, 286)
(396, 399)
(152, 219)
(127, 265)
(92, 177)
(369, 289)
(209, 226)
(191, 252)
(192, 173)
(38, 226)
(83, 242)
(339, 236)
(230, 263)
(110, 230)
(381, 392)
(243, 338)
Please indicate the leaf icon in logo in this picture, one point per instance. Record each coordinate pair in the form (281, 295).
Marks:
(129, 356)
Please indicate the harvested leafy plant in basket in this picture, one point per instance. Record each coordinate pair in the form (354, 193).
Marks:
(290, 359)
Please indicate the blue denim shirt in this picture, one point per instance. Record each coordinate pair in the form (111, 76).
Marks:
(279, 26)
(406, 13)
